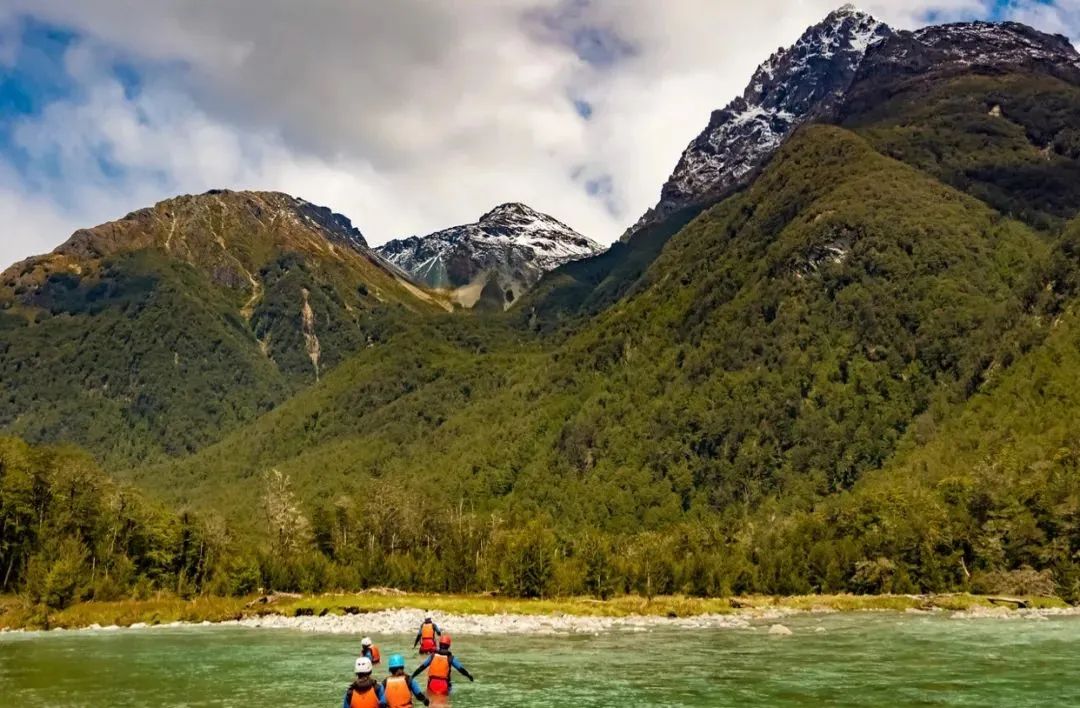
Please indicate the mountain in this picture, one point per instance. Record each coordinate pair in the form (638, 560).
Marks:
(795, 85)
(989, 108)
(812, 81)
(749, 409)
(774, 367)
(786, 337)
(846, 370)
(866, 274)
(156, 333)
(505, 252)
(802, 83)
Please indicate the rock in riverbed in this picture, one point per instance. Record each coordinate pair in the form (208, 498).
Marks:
(780, 630)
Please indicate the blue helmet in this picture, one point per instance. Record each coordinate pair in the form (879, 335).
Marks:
(397, 661)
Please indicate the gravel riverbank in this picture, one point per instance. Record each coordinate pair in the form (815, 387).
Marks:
(403, 621)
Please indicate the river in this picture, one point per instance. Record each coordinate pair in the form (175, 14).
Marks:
(864, 659)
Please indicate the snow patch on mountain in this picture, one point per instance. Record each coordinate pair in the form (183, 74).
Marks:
(511, 246)
(811, 79)
(793, 86)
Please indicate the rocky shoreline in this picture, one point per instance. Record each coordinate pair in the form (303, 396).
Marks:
(404, 621)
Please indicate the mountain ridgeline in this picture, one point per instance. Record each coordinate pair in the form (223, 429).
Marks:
(836, 356)
(1004, 94)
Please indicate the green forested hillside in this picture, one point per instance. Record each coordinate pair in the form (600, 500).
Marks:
(581, 288)
(787, 343)
(1010, 140)
(855, 374)
(154, 335)
(786, 337)
(132, 365)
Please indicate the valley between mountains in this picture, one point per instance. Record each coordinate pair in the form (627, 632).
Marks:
(838, 355)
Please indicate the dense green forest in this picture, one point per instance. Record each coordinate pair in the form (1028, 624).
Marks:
(854, 374)
(747, 364)
(713, 432)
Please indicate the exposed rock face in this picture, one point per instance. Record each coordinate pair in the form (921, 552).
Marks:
(311, 339)
(795, 85)
(508, 249)
(995, 44)
(811, 80)
(227, 234)
(970, 47)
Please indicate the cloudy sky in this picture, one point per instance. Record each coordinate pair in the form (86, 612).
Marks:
(405, 115)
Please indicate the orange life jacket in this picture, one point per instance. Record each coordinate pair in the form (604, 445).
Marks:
(397, 693)
(367, 699)
(439, 667)
(438, 683)
(375, 656)
(427, 636)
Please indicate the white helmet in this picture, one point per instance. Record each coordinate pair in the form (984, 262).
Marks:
(427, 616)
(363, 665)
(365, 642)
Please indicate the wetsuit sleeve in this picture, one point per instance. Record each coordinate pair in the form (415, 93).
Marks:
(421, 667)
(415, 687)
(461, 669)
(380, 694)
(437, 630)
(345, 703)
(418, 633)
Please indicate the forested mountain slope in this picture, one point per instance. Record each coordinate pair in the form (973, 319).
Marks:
(157, 333)
(849, 369)
(990, 109)
(785, 339)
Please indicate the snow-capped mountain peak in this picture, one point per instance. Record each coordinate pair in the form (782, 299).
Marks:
(510, 246)
(791, 87)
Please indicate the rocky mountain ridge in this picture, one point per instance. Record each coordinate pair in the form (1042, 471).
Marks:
(810, 81)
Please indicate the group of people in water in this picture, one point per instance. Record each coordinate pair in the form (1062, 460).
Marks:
(399, 689)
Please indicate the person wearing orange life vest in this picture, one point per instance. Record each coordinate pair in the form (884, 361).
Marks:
(439, 666)
(399, 688)
(364, 692)
(370, 651)
(427, 636)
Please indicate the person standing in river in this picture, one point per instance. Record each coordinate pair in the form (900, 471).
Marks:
(364, 692)
(370, 651)
(427, 636)
(399, 688)
(439, 667)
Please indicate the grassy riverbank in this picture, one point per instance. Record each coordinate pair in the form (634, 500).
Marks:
(14, 614)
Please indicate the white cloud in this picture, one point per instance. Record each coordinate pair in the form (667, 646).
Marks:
(406, 116)
(1061, 17)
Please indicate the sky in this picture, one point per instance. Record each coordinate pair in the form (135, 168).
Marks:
(406, 116)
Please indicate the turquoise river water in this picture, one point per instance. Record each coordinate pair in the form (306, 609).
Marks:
(858, 660)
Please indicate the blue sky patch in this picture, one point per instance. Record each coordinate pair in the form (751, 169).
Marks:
(38, 76)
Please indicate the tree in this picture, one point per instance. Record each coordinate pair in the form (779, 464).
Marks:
(288, 530)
